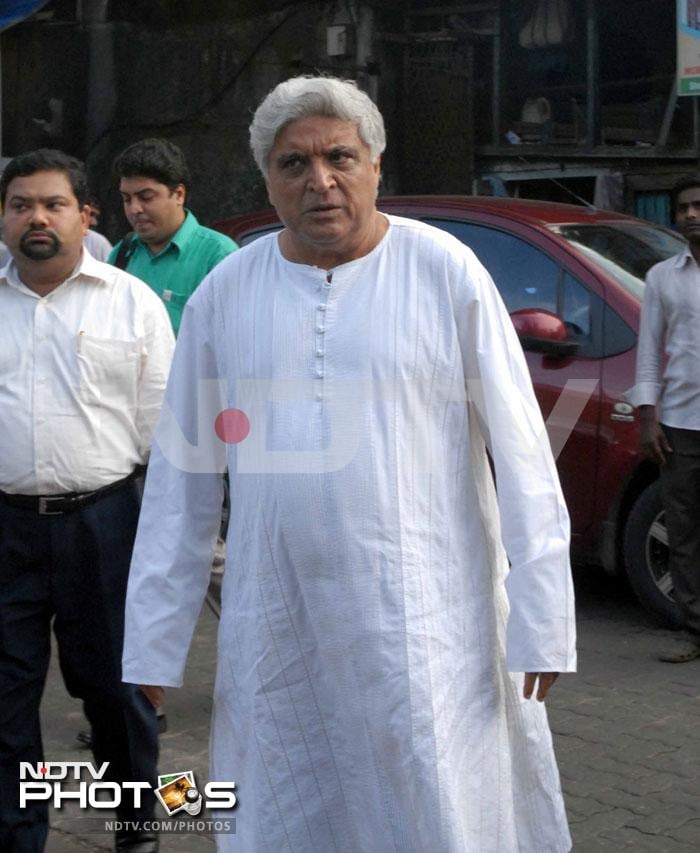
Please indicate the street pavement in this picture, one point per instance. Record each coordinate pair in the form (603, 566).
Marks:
(626, 731)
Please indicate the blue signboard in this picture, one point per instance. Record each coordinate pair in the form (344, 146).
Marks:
(13, 11)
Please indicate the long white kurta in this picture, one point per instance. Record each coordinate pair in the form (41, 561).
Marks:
(363, 700)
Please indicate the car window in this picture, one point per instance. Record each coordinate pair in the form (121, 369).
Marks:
(528, 278)
(625, 250)
(524, 275)
(576, 312)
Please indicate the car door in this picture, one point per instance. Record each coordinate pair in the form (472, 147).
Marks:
(529, 276)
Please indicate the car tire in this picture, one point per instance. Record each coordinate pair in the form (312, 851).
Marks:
(645, 553)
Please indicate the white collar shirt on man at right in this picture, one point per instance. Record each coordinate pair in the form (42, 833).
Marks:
(670, 324)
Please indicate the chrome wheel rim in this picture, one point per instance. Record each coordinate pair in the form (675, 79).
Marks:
(656, 552)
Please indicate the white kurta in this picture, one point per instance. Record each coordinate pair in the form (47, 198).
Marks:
(363, 699)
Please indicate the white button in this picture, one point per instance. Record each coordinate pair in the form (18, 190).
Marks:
(319, 373)
(319, 397)
(41, 420)
(319, 353)
(320, 330)
(41, 380)
(321, 307)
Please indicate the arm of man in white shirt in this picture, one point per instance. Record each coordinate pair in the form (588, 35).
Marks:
(653, 442)
(156, 357)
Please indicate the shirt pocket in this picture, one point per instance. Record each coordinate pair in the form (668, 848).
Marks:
(109, 371)
(172, 297)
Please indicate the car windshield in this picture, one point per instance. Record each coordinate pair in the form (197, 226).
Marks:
(625, 250)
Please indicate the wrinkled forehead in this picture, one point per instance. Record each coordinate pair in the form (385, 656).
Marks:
(317, 131)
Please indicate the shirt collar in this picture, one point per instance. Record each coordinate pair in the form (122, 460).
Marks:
(683, 257)
(5, 269)
(87, 266)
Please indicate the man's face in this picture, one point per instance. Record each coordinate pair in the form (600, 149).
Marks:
(43, 219)
(95, 211)
(688, 214)
(154, 211)
(323, 185)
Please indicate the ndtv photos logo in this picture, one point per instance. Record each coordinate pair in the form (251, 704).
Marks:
(59, 782)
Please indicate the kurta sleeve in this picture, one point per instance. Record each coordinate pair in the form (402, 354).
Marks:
(181, 510)
(652, 327)
(541, 632)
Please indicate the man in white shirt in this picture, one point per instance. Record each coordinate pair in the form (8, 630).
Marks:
(668, 399)
(350, 369)
(84, 356)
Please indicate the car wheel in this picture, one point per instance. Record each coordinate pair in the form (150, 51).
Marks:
(645, 552)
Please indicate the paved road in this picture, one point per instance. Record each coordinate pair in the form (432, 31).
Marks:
(627, 730)
(627, 734)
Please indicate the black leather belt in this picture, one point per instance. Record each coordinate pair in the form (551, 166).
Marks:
(61, 504)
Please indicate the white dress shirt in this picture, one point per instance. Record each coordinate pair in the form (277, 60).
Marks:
(670, 323)
(82, 376)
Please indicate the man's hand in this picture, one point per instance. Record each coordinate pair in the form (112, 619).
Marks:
(155, 695)
(546, 680)
(652, 440)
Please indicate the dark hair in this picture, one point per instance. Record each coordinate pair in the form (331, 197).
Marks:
(687, 182)
(158, 159)
(46, 160)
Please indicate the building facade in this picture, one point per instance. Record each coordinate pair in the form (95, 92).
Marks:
(570, 100)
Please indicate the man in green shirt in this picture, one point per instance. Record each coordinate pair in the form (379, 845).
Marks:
(169, 249)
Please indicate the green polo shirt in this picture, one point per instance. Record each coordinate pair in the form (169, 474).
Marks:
(175, 272)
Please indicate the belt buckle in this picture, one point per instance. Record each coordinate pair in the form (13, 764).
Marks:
(44, 505)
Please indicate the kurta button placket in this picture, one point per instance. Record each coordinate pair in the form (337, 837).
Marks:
(320, 329)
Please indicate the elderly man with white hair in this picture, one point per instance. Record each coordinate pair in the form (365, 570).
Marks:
(377, 653)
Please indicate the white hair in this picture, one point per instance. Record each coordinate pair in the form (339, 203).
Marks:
(300, 97)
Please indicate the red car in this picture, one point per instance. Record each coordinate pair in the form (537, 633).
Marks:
(572, 278)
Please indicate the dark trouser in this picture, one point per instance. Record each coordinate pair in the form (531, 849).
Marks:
(73, 569)
(680, 482)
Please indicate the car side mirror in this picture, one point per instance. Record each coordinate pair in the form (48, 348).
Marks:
(542, 331)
